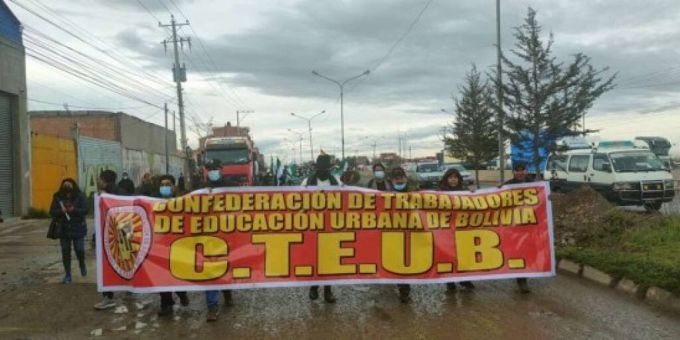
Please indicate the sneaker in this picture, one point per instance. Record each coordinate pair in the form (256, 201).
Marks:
(184, 299)
(83, 270)
(67, 279)
(313, 292)
(213, 311)
(106, 303)
(467, 285)
(451, 286)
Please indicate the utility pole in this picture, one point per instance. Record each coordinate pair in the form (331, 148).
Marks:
(167, 154)
(499, 92)
(238, 119)
(179, 75)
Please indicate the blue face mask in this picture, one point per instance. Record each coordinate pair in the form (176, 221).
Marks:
(379, 174)
(165, 191)
(214, 175)
(399, 186)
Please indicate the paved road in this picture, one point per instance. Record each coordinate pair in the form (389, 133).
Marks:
(35, 305)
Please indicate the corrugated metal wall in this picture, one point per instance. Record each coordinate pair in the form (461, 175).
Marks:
(53, 160)
(137, 163)
(96, 155)
(6, 157)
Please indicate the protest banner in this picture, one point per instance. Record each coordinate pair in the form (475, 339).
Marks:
(247, 237)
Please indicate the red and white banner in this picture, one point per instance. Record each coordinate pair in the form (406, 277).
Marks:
(247, 237)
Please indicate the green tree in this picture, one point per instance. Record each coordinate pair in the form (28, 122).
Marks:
(474, 131)
(545, 99)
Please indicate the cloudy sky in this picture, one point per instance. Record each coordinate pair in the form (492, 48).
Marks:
(259, 56)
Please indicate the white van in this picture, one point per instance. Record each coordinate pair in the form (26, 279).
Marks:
(622, 173)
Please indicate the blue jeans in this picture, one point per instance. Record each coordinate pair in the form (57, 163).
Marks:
(212, 297)
(78, 246)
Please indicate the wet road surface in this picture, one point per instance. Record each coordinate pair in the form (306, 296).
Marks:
(35, 305)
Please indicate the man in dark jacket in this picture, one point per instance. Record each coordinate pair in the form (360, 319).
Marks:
(166, 190)
(321, 176)
(69, 210)
(107, 184)
(519, 175)
(126, 186)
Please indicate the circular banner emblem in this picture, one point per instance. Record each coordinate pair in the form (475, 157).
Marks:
(127, 239)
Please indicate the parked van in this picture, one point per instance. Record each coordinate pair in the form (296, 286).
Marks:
(622, 173)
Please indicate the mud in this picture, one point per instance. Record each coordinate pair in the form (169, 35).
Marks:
(35, 305)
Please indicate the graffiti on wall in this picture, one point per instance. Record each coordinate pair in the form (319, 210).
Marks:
(90, 177)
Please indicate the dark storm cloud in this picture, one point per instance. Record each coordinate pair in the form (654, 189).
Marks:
(343, 38)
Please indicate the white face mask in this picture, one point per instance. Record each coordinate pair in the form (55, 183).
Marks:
(379, 174)
(214, 175)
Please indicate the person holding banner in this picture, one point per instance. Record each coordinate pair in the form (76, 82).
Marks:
(107, 184)
(378, 182)
(69, 209)
(321, 177)
(519, 175)
(400, 184)
(453, 181)
(166, 190)
(212, 297)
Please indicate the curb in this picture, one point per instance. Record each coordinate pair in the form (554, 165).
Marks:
(653, 295)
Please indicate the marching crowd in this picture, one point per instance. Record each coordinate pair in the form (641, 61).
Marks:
(69, 209)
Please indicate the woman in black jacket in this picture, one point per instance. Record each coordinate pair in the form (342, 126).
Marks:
(69, 209)
(453, 181)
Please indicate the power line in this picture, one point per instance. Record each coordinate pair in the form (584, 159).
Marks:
(110, 53)
(213, 65)
(86, 107)
(94, 66)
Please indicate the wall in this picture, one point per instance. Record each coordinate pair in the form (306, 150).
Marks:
(91, 124)
(136, 134)
(53, 160)
(94, 156)
(137, 163)
(13, 82)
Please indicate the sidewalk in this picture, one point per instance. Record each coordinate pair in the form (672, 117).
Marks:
(28, 257)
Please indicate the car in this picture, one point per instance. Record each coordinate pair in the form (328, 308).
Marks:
(428, 174)
(622, 173)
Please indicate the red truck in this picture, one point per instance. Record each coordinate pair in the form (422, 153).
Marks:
(237, 155)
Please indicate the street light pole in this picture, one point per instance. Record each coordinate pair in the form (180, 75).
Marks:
(341, 85)
(309, 125)
(300, 134)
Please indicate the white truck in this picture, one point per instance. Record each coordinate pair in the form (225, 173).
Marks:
(621, 172)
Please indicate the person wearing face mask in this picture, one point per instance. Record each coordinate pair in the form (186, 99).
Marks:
(379, 181)
(146, 188)
(453, 181)
(212, 297)
(69, 209)
(126, 186)
(321, 177)
(520, 175)
(167, 190)
(106, 183)
(400, 184)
